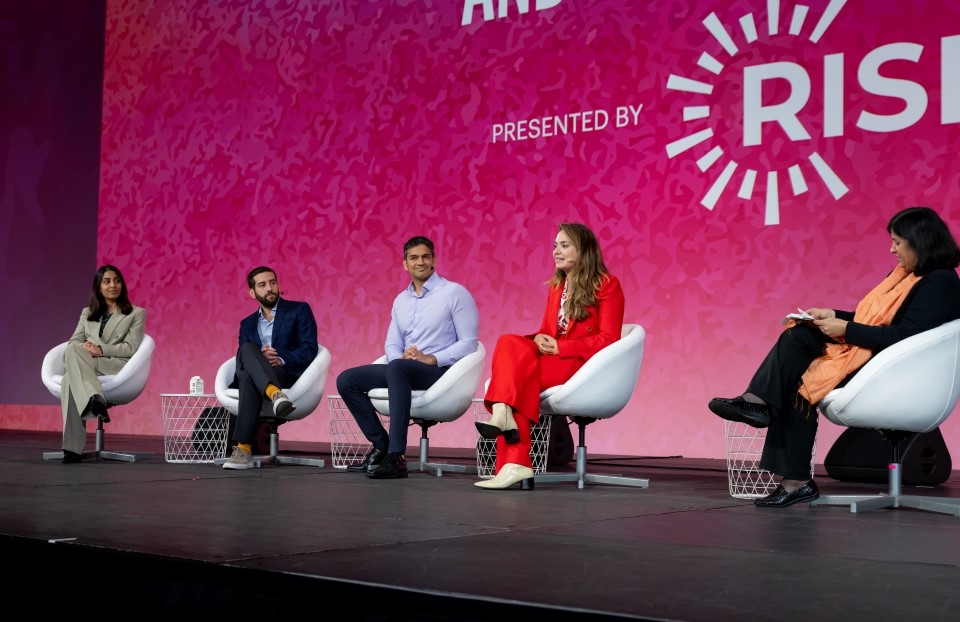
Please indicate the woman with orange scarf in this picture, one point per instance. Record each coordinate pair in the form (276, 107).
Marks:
(813, 357)
(584, 314)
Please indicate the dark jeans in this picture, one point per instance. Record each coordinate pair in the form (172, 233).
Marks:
(254, 373)
(399, 377)
(788, 447)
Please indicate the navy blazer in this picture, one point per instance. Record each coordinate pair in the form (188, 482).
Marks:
(294, 334)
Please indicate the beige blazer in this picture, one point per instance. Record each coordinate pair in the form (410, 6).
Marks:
(121, 337)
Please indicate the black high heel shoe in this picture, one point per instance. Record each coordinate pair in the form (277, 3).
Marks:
(96, 409)
(501, 423)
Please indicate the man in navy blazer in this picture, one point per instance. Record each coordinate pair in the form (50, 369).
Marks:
(277, 343)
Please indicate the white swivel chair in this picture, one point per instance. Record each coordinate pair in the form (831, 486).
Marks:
(305, 394)
(598, 390)
(446, 400)
(910, 387)
(120, 388)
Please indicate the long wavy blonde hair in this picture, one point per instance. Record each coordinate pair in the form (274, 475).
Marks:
(588, 275)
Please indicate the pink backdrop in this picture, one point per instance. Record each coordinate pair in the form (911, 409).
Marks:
(317, 139)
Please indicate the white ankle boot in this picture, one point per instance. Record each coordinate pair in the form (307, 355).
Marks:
(509, 475)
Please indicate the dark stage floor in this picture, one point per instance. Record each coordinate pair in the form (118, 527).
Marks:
(192, 540)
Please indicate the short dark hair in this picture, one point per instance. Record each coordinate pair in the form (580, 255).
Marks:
(928, 236)
(255, 272)
(418, 240)
(98, 304)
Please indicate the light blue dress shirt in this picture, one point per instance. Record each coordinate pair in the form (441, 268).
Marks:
(265, 327)
(442, 321)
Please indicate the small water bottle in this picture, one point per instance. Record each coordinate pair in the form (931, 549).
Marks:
(196, 385)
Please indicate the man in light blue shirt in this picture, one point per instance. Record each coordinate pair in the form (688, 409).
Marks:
(433, 324)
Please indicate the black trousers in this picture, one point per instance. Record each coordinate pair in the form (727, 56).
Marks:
(254, 373)
(788, 447)
(399, 377)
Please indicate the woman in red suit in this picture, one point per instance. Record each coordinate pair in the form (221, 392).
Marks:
(584, 314)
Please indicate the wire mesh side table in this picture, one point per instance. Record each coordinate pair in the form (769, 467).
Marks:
(194, 427)
(348, 445)
(744, 446)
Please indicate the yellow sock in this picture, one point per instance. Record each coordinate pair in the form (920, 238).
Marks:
(271, 390)
(247, 447)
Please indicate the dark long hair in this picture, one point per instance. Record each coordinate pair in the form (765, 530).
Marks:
(589, 274)
(928, 236)
(98, 306)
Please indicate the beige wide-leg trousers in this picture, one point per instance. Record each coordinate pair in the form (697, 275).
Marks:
(80, 381)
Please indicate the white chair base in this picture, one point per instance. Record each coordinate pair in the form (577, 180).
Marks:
(436, 468)
(294, 460)
(892, 499)
(875, 502)
(582, 477)
(99, 453)
(104, 455)
(274, 457)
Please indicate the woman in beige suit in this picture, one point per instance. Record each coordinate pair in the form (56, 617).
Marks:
(109, 332)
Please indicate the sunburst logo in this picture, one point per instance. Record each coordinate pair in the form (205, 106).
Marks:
(727, 167)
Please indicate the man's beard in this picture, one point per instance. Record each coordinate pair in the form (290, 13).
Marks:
(268, 303)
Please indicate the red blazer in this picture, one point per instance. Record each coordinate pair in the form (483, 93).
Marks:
(584, 338)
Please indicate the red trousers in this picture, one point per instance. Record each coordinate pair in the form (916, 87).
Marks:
(519, 373)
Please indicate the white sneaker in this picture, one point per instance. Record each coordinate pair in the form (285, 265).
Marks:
(282, 406)
(239, 459)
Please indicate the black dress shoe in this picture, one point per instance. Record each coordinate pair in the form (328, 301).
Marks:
(96, 408)
(393, 466)
(370, 461)
(739, 409)
(780, 498)
(70, 457)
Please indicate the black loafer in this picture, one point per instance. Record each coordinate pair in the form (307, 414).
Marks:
(394, 466)
(370, 461)
(71, 457)
(780, 498)
(739, 409)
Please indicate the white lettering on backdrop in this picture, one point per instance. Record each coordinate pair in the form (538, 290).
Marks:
(881, 73)
(523, 7)
(561, 125)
